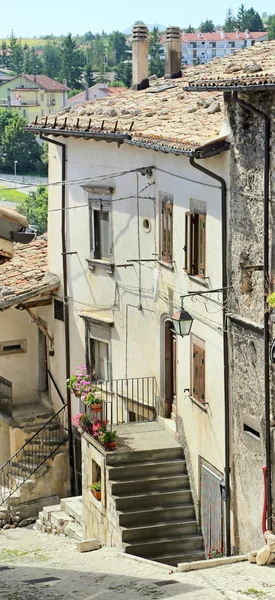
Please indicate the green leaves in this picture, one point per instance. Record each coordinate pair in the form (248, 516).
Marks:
(35, 208)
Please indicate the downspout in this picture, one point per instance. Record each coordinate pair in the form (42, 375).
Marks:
(66, 307)
(225, 351)
(266, 119)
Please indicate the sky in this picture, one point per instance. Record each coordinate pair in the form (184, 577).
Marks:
(33, 18)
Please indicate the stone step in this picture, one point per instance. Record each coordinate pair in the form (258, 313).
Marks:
(139, 470)
(160, 530)
(47, 510)
(174, 559)
(74, 530)
(33, 427)
(141, 456)
(153, 499)
(155, 483)
(164, 546)
(59, 519)
(156, 515)
(72, 507)
(28, 419)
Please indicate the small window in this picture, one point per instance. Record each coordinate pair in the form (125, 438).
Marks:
(166, 227)
(42, 97)
(58, 310)
(99, 353)
(194, 263)
(14, 347)
(198, 373)
(251, 431)
(100, 230)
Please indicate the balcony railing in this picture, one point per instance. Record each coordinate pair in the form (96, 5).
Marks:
(127, 400)
(5, 397)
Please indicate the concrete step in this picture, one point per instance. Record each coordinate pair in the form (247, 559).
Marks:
(142, 456)
(72, 507)
(159, 531)
(165, 546)
(155, 483)
(74, 530)
(59, 519)
(33, 427)
(139, 470)
(174, 559)
(47, 510)
(156, 515)
(153, 499)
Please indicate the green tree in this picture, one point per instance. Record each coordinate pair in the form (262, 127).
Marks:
(271, 30)
(207, 26)
(71, 62)
(16, 54)
(230, 22)
(6, 117)
(241, 17)
(189, 29)
(123, 73)
(51, 60)
(156, 53)
(35, 208)
(89, 76)
(117, 47)
(253, 21)
(18, 144)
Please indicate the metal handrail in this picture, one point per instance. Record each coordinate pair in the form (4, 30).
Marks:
(34, 463)
(56, 387)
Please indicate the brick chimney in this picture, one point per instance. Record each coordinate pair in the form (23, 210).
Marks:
(140, 79)
(173, 53)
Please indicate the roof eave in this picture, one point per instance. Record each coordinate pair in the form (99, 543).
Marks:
(205, 151)
(50, 284)
(230, 87)
(95, 135)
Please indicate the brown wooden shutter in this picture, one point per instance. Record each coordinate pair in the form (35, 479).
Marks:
(201, 245)
(188, 242)
(198, 373)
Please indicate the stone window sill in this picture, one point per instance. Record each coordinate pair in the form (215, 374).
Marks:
(97, 503)
(104, 264)
(199, 404)
(200, 280)
(167, 265)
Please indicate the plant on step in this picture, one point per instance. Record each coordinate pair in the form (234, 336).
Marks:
(108, 438)
(79, 382)
(84, 421)
(99, 427)
(215, 553)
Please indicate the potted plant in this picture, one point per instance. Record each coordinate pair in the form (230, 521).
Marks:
(84, 421)
(99, 427)
(93, 399)
(108, 438)
(79, 382)
(96, 490)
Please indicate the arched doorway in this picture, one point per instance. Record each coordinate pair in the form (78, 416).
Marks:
(169, 354)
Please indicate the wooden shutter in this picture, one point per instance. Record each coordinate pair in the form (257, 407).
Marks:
(201, 246)
(198, 390)
(188, 242)
(167, 231)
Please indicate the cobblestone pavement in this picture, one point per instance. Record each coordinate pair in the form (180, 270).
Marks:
(37, 566)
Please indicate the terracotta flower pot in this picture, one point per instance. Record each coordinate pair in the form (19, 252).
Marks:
(110, 445)
(76, 393)
(97, 495)
(87, 429)
(96, 408)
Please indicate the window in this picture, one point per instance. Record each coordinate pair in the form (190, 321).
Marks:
(194, 243)
(198, 373)
(100, 225)
(166, 227)
(14, 347)
(99, 353)
(58, 310)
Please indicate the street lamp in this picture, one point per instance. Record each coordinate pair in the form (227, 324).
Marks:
(182, 322)
(15, 162)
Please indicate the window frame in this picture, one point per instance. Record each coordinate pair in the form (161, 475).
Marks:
(195, 242)
(198, 378)
(13, 347)
(166, 213)
(94, 359)
(101, 206)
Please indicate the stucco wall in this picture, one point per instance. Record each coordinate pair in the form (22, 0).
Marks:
(136, 336)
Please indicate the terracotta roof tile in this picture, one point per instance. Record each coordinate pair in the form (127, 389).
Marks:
(27, 267)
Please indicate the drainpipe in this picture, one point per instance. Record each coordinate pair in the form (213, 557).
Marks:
(266, 120)
(225, 351)
(66, 307)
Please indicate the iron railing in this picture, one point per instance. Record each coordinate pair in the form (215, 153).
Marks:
(5, 397)
(127, 400)
(33, 454)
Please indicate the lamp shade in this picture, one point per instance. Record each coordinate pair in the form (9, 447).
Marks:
(182, 322)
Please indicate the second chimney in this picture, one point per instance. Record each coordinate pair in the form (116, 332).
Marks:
(173, 53)
(140, 79)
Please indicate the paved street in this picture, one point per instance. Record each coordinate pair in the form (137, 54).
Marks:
(35, 566)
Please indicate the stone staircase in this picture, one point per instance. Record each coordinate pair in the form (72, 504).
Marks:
(154, 505)
(38, 464)
(65, 517)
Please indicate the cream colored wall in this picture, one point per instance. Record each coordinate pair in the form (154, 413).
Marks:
(139, 331)
(22, 368)
(5, 442)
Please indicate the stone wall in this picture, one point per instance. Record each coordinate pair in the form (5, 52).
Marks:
(245, 270)
(100, 518)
